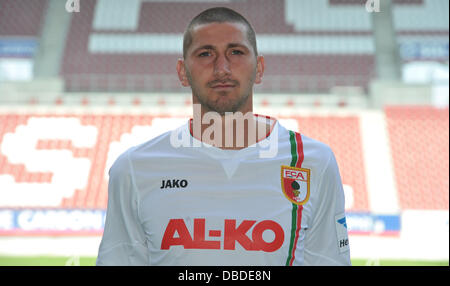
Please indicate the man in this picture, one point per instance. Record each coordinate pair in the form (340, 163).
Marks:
(222, 195)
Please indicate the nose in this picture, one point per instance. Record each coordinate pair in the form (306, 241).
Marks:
(221, 67)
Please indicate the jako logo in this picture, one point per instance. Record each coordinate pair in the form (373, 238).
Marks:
(173, 184)
(232, 234)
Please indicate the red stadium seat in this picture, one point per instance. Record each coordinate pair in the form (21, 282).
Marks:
(344, 136)
(419, 138)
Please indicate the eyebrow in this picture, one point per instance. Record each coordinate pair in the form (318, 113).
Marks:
(211, 47)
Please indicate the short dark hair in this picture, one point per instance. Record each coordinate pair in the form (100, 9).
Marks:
(218, 15)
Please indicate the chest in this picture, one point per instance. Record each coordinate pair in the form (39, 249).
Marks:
(198, 207)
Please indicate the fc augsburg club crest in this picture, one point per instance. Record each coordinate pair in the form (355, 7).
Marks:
(295, 184)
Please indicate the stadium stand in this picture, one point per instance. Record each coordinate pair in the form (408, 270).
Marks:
(343, 134)
(130, 48)
(128, 67)
(136, 51)
(419, 139)
(19, 35)
(338, 132)
(112, 46)
(15, 21)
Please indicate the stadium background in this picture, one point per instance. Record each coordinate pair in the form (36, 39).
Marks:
(81, 81)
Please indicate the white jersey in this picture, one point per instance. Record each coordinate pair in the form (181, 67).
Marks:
(191, 205)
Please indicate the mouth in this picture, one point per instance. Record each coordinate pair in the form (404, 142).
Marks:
(223, 86)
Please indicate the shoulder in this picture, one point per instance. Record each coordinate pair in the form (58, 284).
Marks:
(151, 148)
(121, 165)
(317, 148)
(313, 151)
(316, 154)
(310, 147)
(156, 144)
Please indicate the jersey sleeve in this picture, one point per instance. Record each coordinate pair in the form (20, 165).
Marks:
(326, 241)
(123, 241)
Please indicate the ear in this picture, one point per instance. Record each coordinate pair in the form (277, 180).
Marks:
(181, 70)
(259, 69)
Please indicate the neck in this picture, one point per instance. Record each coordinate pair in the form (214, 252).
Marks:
(231, 131)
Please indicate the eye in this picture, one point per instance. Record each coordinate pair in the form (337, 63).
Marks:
(204, 54)
(237, 52)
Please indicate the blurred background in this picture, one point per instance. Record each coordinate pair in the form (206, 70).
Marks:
(82, 81)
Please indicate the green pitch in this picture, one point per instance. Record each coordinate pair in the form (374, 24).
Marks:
(90, 261)
(46, 261)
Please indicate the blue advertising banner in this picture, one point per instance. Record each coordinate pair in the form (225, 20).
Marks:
(92, 222)
(16, 47)
(367, 223)
(51, 221)
(424, 51)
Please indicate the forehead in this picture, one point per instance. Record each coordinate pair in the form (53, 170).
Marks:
(217, 34)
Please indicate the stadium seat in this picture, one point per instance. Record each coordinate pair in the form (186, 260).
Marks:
(419, 138)
(344, 136)
(21, 18)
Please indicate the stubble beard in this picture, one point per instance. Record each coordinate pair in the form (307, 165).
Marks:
(209, 105)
